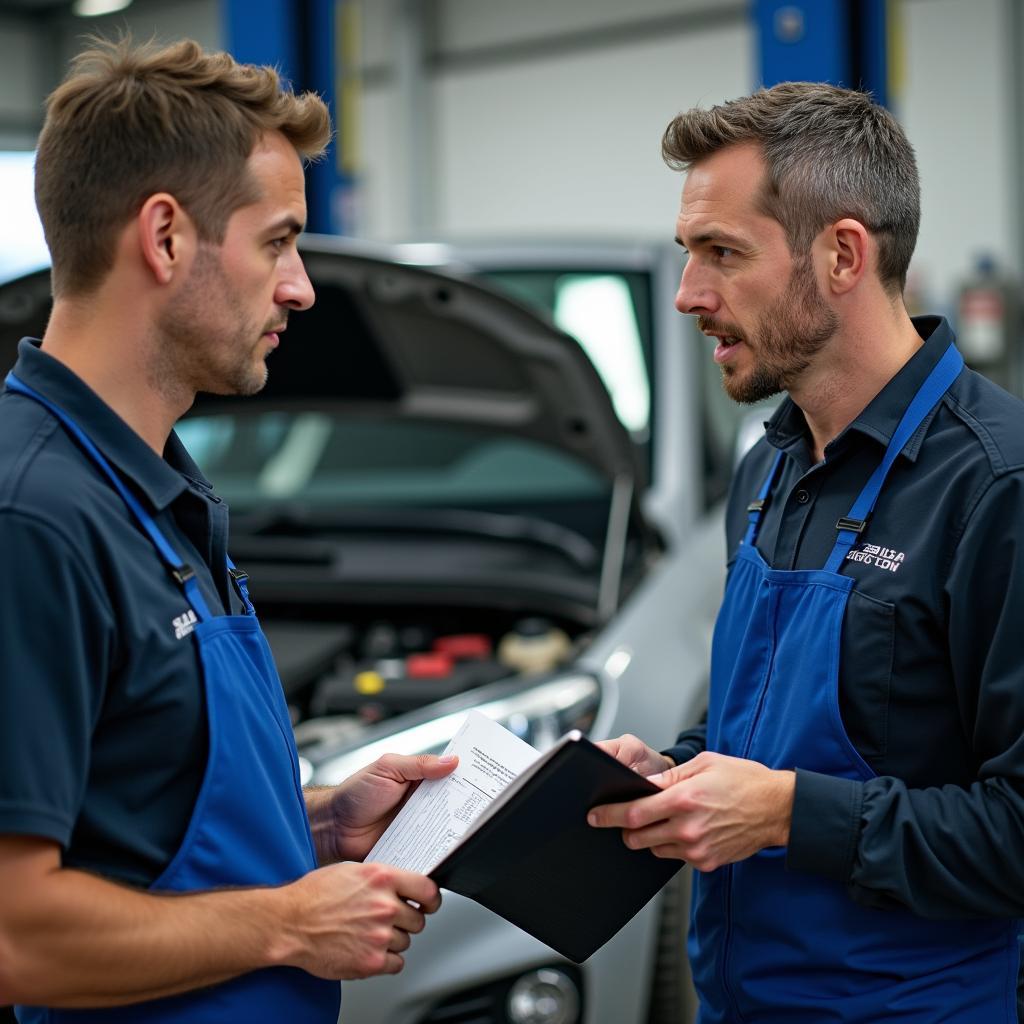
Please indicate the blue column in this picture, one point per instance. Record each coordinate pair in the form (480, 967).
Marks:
(264, 32)
(303, 39)
(840, 41)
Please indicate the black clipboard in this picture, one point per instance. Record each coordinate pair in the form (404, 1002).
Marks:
(533, 859)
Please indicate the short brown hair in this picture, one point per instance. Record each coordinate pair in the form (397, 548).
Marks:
(829, 153)
(130, 121)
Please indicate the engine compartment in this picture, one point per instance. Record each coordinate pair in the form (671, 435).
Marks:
(347, 668)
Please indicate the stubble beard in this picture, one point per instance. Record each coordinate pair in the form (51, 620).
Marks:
(789, 335)
(205, 340)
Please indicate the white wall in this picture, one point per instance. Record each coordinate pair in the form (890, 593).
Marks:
(958, 107)
(571, 144)
(546, 117)
(545, 140)
(23, 82)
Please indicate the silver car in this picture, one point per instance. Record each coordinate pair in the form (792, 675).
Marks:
(481, 477)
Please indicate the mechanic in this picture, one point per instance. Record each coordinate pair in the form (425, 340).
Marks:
(158, 857)
(854, 802)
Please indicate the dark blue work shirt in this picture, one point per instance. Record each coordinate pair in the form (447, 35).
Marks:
(102, 722)
(931, 679)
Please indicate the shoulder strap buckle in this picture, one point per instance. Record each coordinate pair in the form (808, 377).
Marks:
(855, 525)
(183, 573)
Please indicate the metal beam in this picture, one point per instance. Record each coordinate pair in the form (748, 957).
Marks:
(840, 41)
(304, 40)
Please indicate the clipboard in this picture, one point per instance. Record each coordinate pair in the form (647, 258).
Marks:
(532, 858)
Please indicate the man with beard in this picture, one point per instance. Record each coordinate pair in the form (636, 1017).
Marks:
(159, 860)
(854, 801)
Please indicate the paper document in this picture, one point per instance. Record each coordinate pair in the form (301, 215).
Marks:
(440, 811)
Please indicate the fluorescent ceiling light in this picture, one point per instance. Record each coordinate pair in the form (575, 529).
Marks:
(93, 8)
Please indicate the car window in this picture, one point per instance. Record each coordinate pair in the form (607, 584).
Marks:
(324, 458)
(609, 315)
(22, 245)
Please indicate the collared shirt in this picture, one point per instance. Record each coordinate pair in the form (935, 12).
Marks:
(102, 723)
(931, 678)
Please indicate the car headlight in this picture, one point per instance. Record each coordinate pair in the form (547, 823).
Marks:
(538, 713)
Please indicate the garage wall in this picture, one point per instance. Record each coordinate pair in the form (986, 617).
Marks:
(544, 116)
(23, 82)
(961, 111)
(545, 119)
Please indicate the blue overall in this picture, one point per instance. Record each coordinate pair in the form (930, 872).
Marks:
(249, 825)
(769, 946)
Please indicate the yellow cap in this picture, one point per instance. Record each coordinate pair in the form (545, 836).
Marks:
(368, 682)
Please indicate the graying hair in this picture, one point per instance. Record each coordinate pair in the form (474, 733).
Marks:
(829, 153)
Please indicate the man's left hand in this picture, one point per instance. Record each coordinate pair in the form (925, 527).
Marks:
(712, 810)
(349, 818)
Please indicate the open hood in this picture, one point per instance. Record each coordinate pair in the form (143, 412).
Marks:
(405, 341)
(415, 343)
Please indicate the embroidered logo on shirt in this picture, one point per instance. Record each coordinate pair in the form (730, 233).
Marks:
(184, 624)
(872, 554)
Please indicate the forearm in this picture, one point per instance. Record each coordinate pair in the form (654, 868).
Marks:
(74, 940)
(942, 852)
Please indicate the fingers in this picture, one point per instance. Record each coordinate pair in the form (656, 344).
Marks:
(634, 814)
(701, 763)
(412, 767)
(627, 749)
(392, 964)
(409, 919)
(610, 746)
(418, 888)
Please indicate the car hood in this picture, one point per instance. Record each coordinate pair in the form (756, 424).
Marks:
(407, 341)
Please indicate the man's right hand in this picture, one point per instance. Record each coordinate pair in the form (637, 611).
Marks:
(635, 754)
(355, 920)
(71, 939)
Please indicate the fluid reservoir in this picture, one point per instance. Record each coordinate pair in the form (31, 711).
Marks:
(534, 646)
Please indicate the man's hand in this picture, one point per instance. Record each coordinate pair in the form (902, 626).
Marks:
(713, 810)
(635, 754)
(71, 939)
(354, 920)
(349, 818)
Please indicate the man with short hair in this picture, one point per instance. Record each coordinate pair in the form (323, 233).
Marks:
(854, 802)
(158, 856)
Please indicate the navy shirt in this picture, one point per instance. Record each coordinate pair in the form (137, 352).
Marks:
(931, 679)
(102, 721)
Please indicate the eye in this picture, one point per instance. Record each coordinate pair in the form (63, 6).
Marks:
(722, 251)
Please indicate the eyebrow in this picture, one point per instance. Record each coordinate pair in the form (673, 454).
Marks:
(717, 237)
(295, 226)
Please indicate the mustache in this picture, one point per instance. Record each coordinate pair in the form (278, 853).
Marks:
(708, 326)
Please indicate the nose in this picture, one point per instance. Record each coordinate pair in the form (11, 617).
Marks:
(294, 289)
(695, 294)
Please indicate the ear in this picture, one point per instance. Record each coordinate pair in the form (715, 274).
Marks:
(847, 245)
(167, 236)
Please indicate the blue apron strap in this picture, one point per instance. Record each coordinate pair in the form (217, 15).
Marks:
(240, 578)
(757, 506)
(946, 370)
(183, 574)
